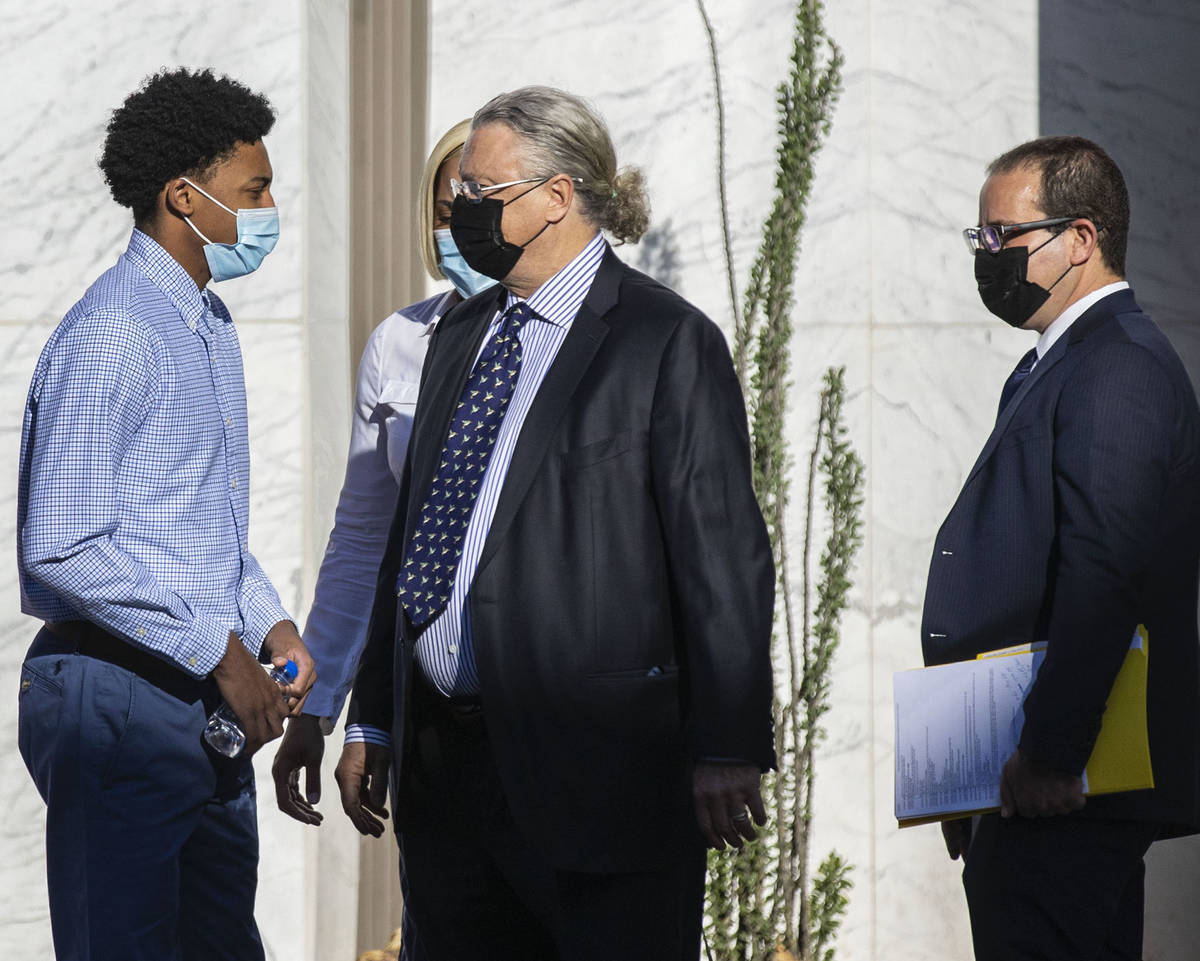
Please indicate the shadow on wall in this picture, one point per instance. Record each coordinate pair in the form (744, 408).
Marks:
(1127, 76)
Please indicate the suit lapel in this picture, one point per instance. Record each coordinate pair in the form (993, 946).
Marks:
(458, 339)
(1091, 318)
(584, 338)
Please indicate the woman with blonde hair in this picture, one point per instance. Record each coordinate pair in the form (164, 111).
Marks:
(385, 400)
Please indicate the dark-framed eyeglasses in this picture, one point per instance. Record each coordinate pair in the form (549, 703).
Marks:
(474, 192)
(993, 237)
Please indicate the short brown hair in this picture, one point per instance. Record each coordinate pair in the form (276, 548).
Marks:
(1078, 180)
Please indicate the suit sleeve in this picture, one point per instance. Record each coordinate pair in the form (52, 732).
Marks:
(720, 558)
(1113, 440)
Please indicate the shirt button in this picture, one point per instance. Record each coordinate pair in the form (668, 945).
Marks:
(141, 632)
(228, 421)
(233, 485)
(453, 648)
(191, 662)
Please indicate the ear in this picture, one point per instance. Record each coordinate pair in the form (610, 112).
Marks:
(177, 197)
(1083, 240)
(560, 194)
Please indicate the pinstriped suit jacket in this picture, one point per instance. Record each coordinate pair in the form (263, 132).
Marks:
(1079, 520)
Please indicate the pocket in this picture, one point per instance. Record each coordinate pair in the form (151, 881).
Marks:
(399, 395)
(39, 710)
(598, 452)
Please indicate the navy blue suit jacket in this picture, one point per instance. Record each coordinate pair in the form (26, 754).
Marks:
(623, 603)
(1079, 521)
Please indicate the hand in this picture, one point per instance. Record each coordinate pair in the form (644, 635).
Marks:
(957, 835)
(721, 793)
(362, 777)
(284, 644)
(303, 747)
(251, 694)
(1033, 794)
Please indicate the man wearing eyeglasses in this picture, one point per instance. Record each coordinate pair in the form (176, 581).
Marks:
(568, 667)
(1079, 521)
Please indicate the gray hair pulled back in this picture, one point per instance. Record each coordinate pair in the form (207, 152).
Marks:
(562, 134)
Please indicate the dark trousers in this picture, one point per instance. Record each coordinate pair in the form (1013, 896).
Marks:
(1057, 889)
(151, 841)
(476, 888)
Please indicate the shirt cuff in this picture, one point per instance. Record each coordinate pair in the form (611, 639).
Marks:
(259, 615)
(366, 734)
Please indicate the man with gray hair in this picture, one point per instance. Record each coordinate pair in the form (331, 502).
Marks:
(567, 672)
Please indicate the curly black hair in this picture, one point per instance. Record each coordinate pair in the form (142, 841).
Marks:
(177, 124)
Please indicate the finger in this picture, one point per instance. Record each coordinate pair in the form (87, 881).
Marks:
(375, 798)
(312, 782)
(1007, 801)
(743, 825)
(754, 801)
(719, 813)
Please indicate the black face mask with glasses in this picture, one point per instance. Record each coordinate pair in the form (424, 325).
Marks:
(1001, 273)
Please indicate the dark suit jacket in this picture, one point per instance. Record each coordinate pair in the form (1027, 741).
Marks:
(1080, 520)
(622, 607)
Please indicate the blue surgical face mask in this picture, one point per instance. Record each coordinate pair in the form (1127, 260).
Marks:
(466, 281)
(257, 234)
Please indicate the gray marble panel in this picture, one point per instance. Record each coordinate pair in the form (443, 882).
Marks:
(74, 63)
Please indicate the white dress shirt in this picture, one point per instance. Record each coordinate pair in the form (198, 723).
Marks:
(385, 399)
(1062, 323)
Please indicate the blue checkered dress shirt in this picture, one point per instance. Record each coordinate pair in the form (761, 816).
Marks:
(133, 494)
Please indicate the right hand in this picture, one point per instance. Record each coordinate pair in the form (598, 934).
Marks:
(250, 694)
(362, 777)
(957, 835)
(303, 747)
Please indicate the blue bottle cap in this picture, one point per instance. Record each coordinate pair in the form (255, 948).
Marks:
(290, 671)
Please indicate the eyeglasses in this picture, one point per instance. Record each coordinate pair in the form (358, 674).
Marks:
(473, 191)
(993, 237)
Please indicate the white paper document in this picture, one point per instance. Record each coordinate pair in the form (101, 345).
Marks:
(956, 725)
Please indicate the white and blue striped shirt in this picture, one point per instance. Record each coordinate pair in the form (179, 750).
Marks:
(444, 649)
(133, 496)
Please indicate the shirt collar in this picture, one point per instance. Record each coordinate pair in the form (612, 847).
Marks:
(168, 276)
(1063, 321)
(439, 311)
(558, 300)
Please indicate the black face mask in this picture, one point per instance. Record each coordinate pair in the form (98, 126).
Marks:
(1003, 286)
(479, 238)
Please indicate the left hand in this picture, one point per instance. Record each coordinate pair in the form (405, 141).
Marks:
(722, 793)
(1037, 794)
(283, 644)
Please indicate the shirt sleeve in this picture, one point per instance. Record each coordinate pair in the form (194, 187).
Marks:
(96, 385)
(337, 624)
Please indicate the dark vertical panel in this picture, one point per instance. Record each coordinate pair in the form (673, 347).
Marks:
(1127, 75)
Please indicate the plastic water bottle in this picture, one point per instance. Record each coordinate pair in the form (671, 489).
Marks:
(224, 731)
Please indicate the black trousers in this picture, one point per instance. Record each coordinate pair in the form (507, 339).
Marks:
(476, 888)
(1057, 889)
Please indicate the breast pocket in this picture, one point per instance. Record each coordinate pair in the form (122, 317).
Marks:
(397, 405)
(598, 452)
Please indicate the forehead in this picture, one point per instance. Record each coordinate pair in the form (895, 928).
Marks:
(1011, 197)
(492, 153)
(248, 161)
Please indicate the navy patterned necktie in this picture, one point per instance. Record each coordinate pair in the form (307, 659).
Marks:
(431, 557)
(1016, 378)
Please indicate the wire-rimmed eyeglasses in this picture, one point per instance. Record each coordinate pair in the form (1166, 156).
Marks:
(993, 237)
(474, 192)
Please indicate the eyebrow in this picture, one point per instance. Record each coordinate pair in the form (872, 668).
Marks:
(258, 182)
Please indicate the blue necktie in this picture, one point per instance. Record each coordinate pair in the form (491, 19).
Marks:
(1016, 378)
(431, 557)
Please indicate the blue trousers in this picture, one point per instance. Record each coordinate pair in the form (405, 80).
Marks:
(151, 839)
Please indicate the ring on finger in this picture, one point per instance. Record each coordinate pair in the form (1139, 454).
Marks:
(740, 816)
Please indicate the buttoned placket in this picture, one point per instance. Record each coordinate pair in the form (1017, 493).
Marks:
(235, 485)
